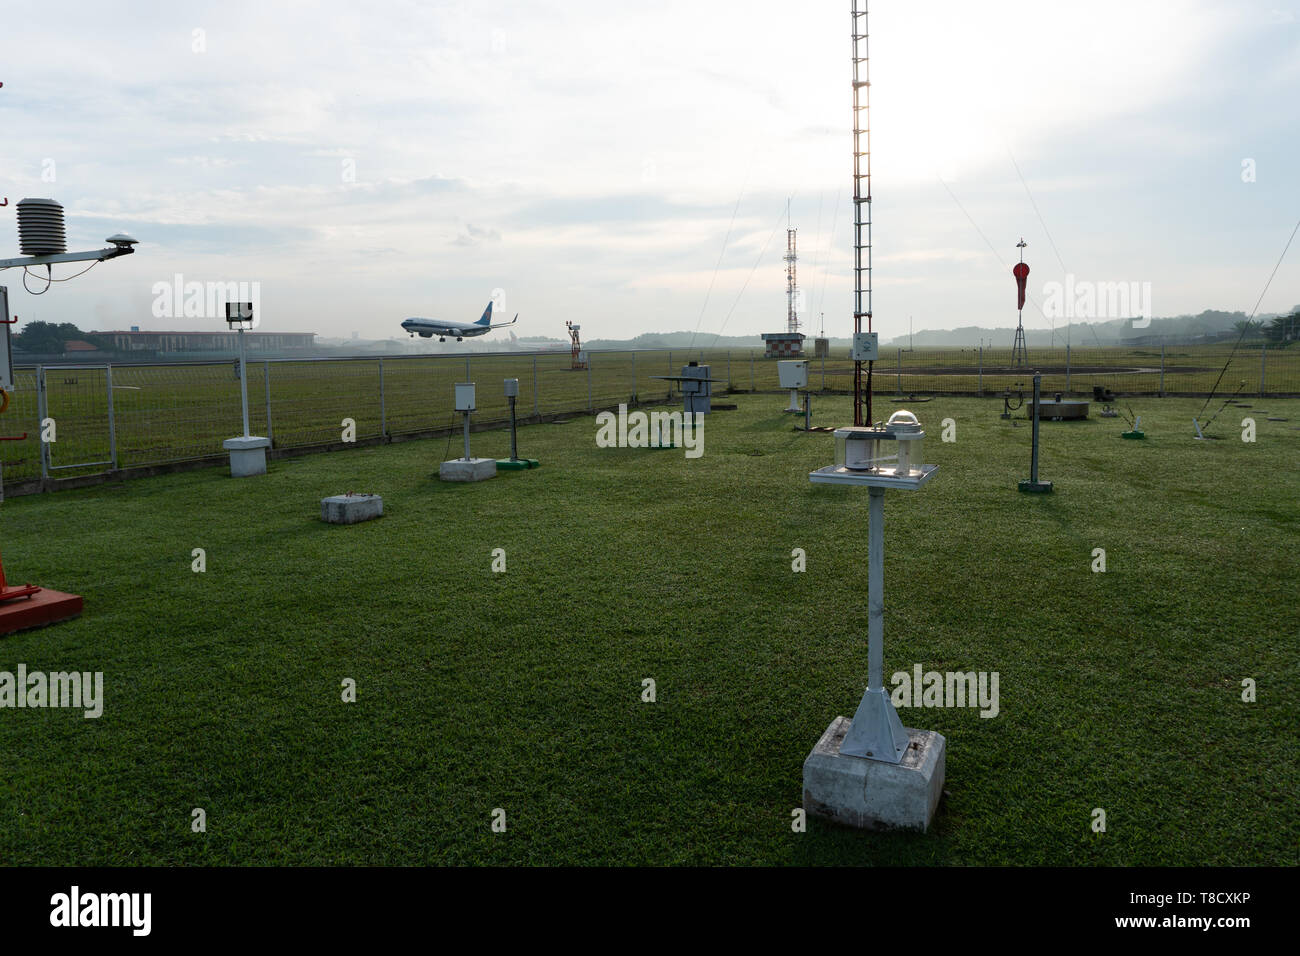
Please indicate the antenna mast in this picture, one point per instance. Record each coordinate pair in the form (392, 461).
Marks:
(791, 280)
(861, 202)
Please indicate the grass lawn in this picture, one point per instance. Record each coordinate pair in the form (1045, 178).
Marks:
(522, 690)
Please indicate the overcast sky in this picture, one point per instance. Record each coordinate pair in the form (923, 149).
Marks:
(628, 166)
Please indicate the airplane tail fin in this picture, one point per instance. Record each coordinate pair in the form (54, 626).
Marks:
(486, 318)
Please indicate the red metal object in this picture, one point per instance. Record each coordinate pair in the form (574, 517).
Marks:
(29, 606)
(1021, 272)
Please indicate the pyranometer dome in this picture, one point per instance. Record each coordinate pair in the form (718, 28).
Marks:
(903, 420)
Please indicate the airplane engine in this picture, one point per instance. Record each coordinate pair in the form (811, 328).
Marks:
(426, 335)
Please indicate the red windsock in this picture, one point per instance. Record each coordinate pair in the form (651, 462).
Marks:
(1021, 272)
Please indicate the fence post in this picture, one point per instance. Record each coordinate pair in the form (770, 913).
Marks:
(823, 371)
(900, 372)
(536, 410)
(112, 425)
(751, 372)
(383, 408)
(588, 381)
(728, 369)
(670, 361)
(1162, 370)
(41, 409)
(1067, 369)
(633, 377)
(981, 378)
(1263, 352)
(266, 388)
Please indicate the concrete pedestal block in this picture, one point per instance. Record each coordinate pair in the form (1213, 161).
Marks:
(468, 469)
(349, 509)
(872, 794)
(247, 455)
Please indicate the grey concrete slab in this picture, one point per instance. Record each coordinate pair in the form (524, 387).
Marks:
(872, 794)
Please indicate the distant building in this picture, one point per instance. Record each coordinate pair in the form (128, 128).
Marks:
(136, 341)
(782, 344)
(77, 345)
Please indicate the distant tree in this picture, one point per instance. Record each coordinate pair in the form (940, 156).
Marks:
(1247, 327)
(1283, 330)
(39, 337)
(46, 336)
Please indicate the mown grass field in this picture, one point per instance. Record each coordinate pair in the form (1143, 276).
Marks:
(522, 690)
(164, 413)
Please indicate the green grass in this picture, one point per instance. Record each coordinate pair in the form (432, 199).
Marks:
(522, 690)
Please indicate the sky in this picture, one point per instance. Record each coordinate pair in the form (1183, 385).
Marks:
(629, 166)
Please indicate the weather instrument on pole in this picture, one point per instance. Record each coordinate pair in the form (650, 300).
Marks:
(575, 343)
(514, 462)
(42, 240)
(1033, 485)
(873, 771)
(1019, 354)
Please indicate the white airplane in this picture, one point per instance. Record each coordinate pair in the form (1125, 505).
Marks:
(427, 328)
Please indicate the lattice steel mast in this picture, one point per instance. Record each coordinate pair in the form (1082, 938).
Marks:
(791, 280)
(861, 202)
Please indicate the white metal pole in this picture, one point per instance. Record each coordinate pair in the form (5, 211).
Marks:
(243, 380)
(876, 590)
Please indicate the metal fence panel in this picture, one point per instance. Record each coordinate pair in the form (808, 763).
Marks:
(178, 411)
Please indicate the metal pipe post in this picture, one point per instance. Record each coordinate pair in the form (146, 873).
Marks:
(266, 388)
(243, 380)
(467, 436)
(112, 427)
(876, 591)
(42, 407)
(383, 408)
(514, 446)
(1033, 455)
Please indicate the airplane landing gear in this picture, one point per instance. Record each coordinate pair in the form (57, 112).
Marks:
(458, 338)
(441, 339)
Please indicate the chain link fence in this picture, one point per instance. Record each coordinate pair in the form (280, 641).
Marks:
(83, 420)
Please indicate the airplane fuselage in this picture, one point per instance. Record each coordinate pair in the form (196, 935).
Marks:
(426, 328)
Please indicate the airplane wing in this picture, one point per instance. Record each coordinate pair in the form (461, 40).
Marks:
(502, 325)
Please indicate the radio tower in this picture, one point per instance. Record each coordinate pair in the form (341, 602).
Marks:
(861, 202)
(791, 281)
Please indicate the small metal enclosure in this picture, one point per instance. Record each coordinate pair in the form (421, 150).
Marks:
(697, 395)
(465, 397)
(865, 347)
(792, 373)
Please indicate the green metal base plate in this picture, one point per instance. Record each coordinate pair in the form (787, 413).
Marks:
(517, 464)
(1036, 487)
(1134, 434)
